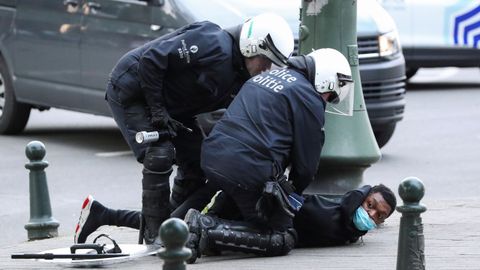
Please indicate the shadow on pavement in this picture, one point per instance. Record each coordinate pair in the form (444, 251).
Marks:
(98, 139)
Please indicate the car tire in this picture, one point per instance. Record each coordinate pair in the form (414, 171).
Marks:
(13, 114)
(383, 134)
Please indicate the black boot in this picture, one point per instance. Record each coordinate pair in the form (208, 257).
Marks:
(207, 233)
(155, 209)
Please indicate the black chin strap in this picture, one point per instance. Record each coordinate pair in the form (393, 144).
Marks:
(305, 65)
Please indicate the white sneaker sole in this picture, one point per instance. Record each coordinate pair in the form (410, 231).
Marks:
(85, 212)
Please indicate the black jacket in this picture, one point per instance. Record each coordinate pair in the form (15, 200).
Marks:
(277, 119)
(196, 69)
(323, 221)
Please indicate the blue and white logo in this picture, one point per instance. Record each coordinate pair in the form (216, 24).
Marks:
(466, 27)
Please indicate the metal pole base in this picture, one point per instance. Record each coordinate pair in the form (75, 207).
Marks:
(341, 178)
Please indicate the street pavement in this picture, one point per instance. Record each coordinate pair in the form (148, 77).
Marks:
(451, 242)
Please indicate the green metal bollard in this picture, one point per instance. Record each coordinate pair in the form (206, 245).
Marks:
(411, 243)
(350, 145)
(174, 234)
(41, 224)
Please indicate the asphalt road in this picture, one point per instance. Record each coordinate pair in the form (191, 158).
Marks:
(438, 141)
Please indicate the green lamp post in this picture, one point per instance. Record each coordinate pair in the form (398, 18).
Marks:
(350, 145)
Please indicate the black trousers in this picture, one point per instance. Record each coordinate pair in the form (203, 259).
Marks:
(134, 116)
(236, 200)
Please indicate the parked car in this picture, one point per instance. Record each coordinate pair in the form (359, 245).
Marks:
(437, 33)
(58, 53)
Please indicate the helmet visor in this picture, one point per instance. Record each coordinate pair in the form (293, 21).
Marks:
(342, 101)
(344, 79)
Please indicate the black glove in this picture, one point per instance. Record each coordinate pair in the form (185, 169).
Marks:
(161, 120)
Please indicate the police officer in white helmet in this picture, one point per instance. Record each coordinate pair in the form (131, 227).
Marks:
(275, 121)
(163, 84)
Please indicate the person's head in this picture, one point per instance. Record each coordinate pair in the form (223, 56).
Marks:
(380, 203)
(265, 39)
(333, 76)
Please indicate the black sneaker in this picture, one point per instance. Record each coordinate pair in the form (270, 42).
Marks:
(192, 218)
(90, 219)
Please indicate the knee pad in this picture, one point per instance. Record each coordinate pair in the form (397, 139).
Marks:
(159, 157)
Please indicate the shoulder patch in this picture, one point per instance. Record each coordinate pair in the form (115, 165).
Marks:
(184, 51)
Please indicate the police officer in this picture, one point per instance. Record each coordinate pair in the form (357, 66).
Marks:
(276, 121)
(163, 84)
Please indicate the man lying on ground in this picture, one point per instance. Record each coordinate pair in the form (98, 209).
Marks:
(322, 220)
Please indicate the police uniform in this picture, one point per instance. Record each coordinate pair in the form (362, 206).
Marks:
(196, 69)
(275, 121)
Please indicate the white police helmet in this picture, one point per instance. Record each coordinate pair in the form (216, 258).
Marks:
(332, 74)
(267, 34)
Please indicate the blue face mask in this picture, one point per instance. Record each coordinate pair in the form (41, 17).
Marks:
(362, 220)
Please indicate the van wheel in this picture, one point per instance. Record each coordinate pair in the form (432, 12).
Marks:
(383, 134)
(13, 115)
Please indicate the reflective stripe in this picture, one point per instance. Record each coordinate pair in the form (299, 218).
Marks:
(210, 204)
(250, 29)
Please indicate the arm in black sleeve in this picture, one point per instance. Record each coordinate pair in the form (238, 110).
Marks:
(354, 199)
(151, 70)
(308, 137)
(173, 54)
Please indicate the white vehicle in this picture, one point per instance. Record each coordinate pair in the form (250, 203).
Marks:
(437, 33)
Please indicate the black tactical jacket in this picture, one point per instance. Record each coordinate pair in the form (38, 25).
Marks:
(276, 120)
(195, 69)
(323, 221)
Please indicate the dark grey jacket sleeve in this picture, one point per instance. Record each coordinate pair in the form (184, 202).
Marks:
(174, 55)
(308, 139)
